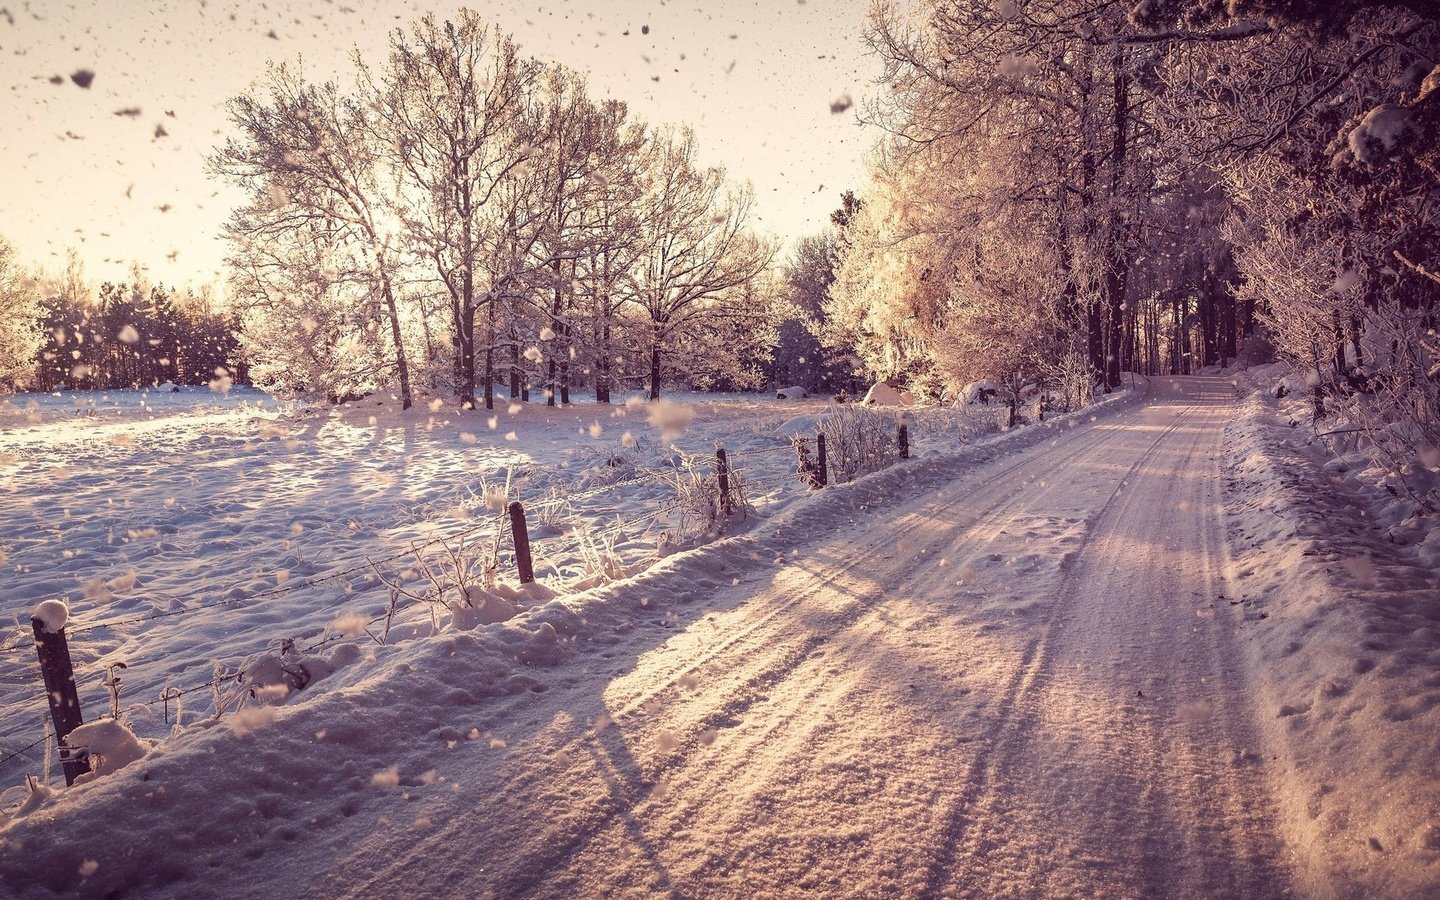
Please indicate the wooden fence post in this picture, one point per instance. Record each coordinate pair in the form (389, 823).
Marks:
(822, 467)
(904, 438)
(522, 542)
(722, 473)
(59, 678)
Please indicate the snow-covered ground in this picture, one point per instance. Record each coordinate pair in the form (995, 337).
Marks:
(193, 530)
(1079, 659)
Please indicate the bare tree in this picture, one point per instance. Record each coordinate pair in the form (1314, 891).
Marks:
(612, 243)
(698, 252)
(307, 156)
(452, 108)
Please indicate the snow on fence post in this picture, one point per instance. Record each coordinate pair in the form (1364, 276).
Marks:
(522, 542)
(59, 677)
(722, 472)
(822, 469)
(903, 436)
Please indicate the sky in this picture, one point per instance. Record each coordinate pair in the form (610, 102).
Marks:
(116, 170)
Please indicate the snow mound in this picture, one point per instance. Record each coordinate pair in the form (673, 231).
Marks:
(794, 392)
(481, 608)
(111, 744)
(500, 604)
(882, 394)
(801, 425)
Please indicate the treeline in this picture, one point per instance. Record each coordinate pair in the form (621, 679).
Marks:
(464, 220)
(59, 332)
(1071, 189)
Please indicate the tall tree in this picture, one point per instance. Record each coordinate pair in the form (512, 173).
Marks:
(612, 244)
(699, 255)
(453, 107)
(308, 157)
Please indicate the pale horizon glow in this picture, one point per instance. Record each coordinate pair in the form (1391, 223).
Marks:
(83, 169)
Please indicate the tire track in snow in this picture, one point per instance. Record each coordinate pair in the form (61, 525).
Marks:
(999, 494)
(1032, 662)
(819, 580)
(1082, 790)
(683, 811)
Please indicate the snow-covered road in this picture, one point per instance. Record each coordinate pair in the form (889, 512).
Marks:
(1024, 684)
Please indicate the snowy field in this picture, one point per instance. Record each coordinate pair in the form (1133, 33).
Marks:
(1167, 646)
(193, 533)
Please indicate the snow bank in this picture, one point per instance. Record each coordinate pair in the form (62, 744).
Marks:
(1345, 632)
(794, 392)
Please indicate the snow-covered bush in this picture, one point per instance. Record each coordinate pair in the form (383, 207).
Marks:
(456, 577)
(941, 426)
(857, 441)
(697, 500)
(1395, 410)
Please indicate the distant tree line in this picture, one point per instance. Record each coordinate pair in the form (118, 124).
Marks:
(60, 332)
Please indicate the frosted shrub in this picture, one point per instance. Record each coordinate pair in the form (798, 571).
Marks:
(858, 441)
(1073, 380)
(1396, 414)
(942, 426)
(452, 577)
(697, 495)
(601, 563)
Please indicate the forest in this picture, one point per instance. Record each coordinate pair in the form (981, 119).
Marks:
(1071, 190)
(1061, 192)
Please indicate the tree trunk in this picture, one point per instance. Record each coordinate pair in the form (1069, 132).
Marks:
(401, 364)
(602, 364)
(565, 366)
(1227, 317)
(655, 371)
(1341, 368)
(1117, 262)
(1209, 326)
(514, 365)
(1095, 337)
(457, 363)
(467, 351)
(1089, 228)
